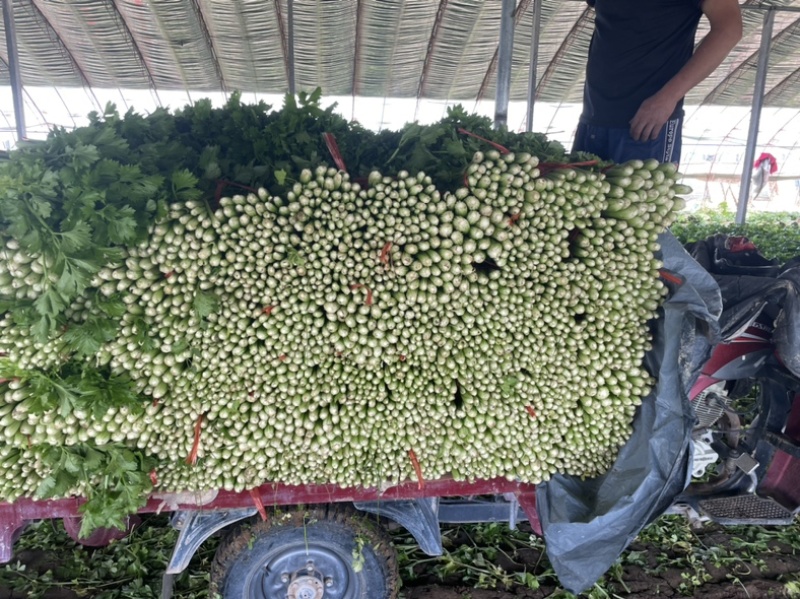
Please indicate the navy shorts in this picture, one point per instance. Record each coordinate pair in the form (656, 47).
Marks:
(617, 145)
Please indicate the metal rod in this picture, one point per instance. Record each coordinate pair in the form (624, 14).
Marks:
(770, 8)
(755, 115)
(13, 68)
(504, 56)
(290, 43)
(532, 74)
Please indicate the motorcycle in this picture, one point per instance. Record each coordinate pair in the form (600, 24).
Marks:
(746, 399)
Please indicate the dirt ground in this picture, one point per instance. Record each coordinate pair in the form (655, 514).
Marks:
(715, 565)
(645, 587)
(709, 570)
(753, 590)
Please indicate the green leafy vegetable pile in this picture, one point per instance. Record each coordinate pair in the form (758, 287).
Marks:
(200, 300)
(775, 234)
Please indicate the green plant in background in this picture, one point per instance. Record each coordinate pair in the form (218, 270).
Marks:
(775, 234)
(131, 568)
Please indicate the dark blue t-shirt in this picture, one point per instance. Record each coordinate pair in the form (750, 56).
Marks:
(637, 46)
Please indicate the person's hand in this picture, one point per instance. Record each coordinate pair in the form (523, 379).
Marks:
(654, 112)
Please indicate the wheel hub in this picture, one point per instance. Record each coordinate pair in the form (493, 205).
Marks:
(305, 571)
(306, 587)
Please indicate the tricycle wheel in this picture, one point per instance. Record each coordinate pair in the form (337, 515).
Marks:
(325, 552)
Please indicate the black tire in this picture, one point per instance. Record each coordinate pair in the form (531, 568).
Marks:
(350, 557)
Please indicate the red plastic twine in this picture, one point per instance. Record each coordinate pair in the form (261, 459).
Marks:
(368, 301)
(218, 191)
(259, 504)
(333, 148)
(531, 411)
(154, 477)
(669, 277)
(417, 469)
(198, 426)
(384, 258)
(496, 146)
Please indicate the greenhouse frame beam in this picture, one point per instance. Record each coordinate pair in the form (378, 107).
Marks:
(60, 40)
(426, 65)
(284, 41)
(25, 92)
(745, 65)
(357, 48)
(564, 47)
(290, 45)
(13, 68)
(755, 115)
(770, 8)
(136, 49)
(532, 71)
(505, 52)
(201, 19)
(518, 13)
(792, 79)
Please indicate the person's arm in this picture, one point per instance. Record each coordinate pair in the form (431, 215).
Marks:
(725, 19)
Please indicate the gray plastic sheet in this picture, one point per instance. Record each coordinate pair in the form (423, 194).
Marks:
(587, 524)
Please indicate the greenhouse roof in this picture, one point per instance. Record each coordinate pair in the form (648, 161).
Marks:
(437, 49)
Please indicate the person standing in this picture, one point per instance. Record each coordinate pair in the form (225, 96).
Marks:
(642, 62)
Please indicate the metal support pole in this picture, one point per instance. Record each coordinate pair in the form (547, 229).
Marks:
(13, 68)
(290, 27)
(504, 55)
(755, 115)
(770, 7)
(532, 75)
